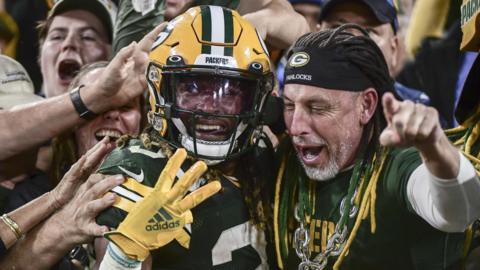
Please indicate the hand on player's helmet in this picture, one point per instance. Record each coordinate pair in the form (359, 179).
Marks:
(123, 78)
(160, 217)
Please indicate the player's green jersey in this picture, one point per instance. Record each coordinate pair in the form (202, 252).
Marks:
(402, 240)
(222, 237)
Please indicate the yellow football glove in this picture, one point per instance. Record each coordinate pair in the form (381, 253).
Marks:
(160, 217)
(126, 205)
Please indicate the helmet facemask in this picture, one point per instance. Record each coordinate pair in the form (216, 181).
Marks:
(212, 112)
(209, 77)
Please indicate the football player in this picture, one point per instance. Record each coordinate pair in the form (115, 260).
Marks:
(209, 80)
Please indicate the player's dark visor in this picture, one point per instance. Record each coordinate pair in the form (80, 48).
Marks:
(214, 94)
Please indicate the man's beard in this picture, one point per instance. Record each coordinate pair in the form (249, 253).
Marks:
(327, 172)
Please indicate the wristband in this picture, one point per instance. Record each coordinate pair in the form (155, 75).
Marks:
(80, 107)
(115, 259)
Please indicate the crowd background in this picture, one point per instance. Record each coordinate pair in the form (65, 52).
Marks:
(36, 162)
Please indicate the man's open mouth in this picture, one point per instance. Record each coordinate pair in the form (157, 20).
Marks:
(68, 69)
(311, 154)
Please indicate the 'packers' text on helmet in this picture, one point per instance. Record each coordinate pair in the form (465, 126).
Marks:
(209, 77)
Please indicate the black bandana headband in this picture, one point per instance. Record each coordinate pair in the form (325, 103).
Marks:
(325, 68)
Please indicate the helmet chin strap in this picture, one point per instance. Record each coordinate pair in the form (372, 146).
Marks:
(214, 149)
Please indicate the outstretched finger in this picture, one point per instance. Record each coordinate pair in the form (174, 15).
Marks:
(93, 179)
(103, 185)
(390, 106)
(122, 56)
(93, 208)
(146, 43)
(140, 56)
(165, 180)
(100, 150)
(74, 173)
(198, 196)
(101, 143)
(187, 180)
(68, 186)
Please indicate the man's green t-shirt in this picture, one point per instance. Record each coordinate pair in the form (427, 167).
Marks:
(402, 240)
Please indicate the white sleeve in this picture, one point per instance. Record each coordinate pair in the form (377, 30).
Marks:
(449, 205)
(115, 259)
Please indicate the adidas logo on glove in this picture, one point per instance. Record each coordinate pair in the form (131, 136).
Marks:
(162, 220)
(163, 226)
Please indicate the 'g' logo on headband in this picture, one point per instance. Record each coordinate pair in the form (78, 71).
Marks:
(299, 59)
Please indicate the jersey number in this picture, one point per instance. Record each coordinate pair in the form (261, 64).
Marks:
(236, 238)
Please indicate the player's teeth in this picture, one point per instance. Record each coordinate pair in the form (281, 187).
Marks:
(208, 127)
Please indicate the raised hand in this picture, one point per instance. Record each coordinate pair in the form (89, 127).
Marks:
(409, 124)
(160, 216)
(124, 77)
(77, 217)
(79, 172)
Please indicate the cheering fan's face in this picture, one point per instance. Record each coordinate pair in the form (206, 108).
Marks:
(325, 126)
(74, 38)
